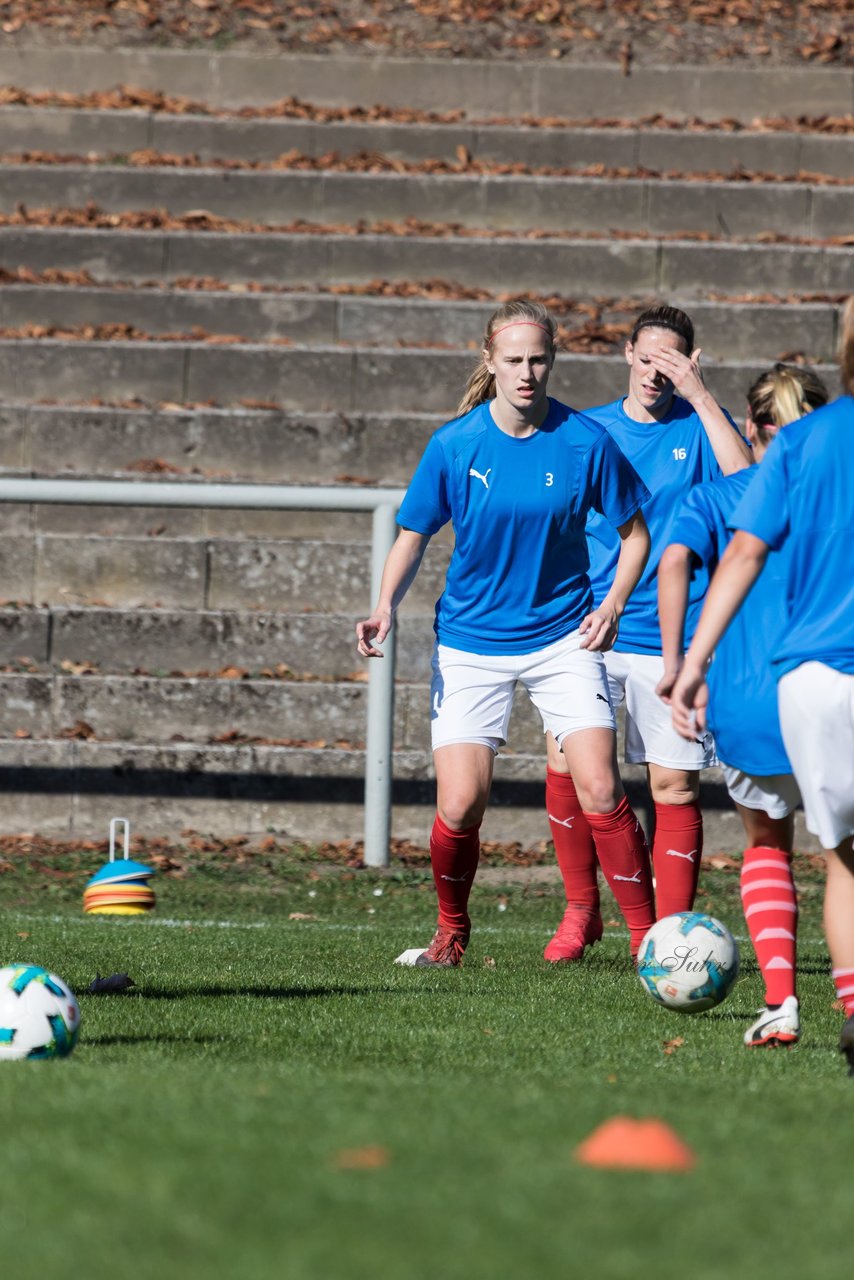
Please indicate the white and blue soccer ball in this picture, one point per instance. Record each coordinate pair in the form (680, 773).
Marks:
(39, 1017)
(688, 961)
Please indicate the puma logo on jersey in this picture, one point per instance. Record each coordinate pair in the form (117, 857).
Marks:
(601, 697)
(674, 853)
(478, 476)
(635, 879)
(561, 822)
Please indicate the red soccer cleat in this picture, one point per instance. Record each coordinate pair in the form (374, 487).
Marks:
(577, 930)
(446, 949)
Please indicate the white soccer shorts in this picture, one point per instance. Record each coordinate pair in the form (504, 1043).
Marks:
(471, 694)
(816, 705)
(776, 794)
(650, 736)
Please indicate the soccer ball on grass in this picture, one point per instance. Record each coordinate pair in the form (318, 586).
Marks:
(39, 1017)
(688, 961)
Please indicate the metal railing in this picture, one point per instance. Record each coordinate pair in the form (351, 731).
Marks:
(384, 504)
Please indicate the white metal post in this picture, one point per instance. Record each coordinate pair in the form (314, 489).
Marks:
(384, 504)
(380, 742)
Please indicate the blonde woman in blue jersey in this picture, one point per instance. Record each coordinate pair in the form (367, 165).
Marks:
(742, 714)
(801, 501)
(676, 436)
(517, 473)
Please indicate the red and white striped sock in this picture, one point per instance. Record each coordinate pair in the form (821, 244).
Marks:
(454, 857)
(573, 841)
(843, 980)
(771, 910)
(624, 859)
(676, 852)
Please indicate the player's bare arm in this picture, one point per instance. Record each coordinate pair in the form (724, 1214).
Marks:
(731, 452)
(674, 576)
(401, 566)
(600, 628)
(740, 566)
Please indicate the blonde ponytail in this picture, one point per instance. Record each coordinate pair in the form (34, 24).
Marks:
(782, 395)
(480, 387)
(481, 383)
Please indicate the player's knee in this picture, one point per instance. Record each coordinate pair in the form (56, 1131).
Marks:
(461, 810)
(769, 833)
(675, 786)
(600, 792)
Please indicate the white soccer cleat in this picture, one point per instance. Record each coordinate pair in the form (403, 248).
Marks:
(410, 956)
(775, 1026)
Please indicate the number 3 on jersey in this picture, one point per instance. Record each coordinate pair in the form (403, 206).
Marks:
(549, 479)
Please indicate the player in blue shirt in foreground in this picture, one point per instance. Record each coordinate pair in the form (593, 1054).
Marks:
(517, 474)
(676, 436)
(801, 500)
(742, 712)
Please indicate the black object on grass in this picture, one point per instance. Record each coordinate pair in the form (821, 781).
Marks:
(108, 986)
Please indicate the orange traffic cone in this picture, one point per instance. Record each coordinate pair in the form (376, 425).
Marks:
(624, 1143)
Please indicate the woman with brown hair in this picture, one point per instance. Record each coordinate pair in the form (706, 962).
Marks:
(801, 501)
(517, 473)
(676, 436)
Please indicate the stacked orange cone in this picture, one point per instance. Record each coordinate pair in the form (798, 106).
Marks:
(121, 887)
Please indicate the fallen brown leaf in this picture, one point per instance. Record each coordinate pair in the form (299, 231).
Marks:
(722, 862)
(79, 730)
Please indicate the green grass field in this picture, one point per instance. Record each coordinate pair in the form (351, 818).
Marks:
(208, 1122)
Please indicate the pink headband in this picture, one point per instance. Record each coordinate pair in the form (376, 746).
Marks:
(515, 322)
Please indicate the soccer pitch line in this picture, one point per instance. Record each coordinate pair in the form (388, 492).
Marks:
(91, 922)
(328, 926)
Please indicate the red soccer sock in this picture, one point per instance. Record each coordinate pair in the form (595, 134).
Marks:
(676, 852)
(624, 859)
(843, 980)
(573, 841)
(771, 911)
(454, 857)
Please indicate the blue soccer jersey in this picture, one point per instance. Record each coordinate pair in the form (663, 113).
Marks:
(518, 576)
(742, 712)
(670, 456)
(803, 498)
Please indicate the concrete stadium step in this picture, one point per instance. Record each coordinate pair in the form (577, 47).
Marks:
(581, 267)
(239, 443)
(154, 524)
(116, 132)
(377, 379)
(319, 577)
(289, 712)
(160, 641)
(649, 206)
(727, 330)
(488, 87)
(309, 793)
(74, 786)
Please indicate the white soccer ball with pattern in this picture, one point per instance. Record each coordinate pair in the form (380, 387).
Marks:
(39, 1017)
(688, 961)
